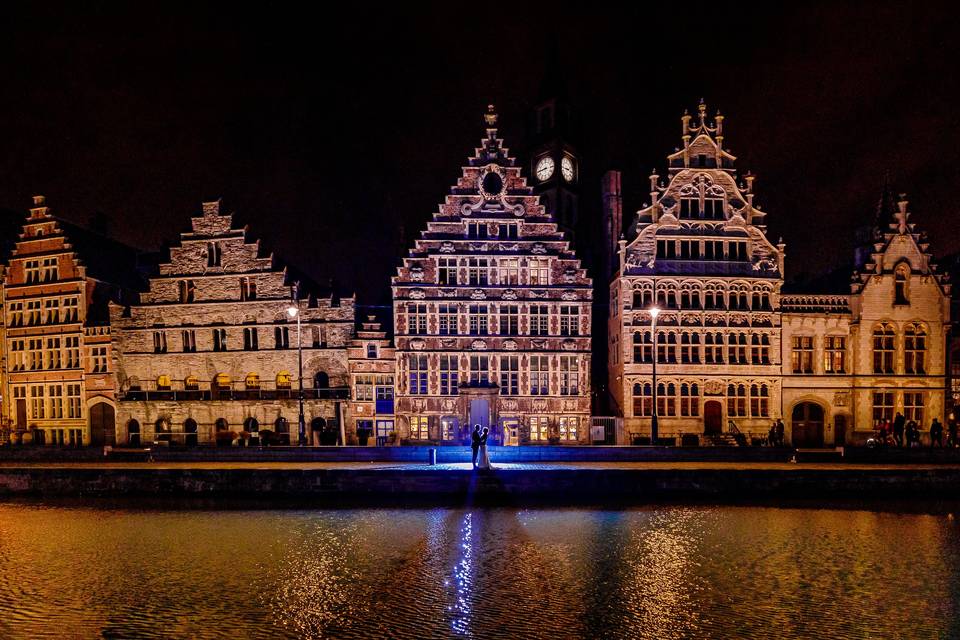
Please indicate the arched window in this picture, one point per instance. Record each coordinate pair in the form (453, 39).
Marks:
(191, 383)
(883, 348)
(190, 431)
(689, 399)
(642, 399)
(186, 290)
(281, 425)
(321, 380)
(667, 399)
(251, 340)
(133, 433)
(759, 401)
(283, 380)
(162, 425)
(163, 383)
(900, 279)
(252, 381)
(736, 400)
(251, 425)
(221, 424)
(642, 347)
(914, 348)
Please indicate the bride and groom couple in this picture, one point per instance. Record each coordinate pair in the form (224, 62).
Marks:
(478, 443)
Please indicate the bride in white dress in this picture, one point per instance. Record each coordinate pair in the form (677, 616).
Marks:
(484, 457)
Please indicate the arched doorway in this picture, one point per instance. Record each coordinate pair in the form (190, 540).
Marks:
(282, 428)
(133, 433)
(712, 417)
(103, 425)
(190, 432)
(807, 425)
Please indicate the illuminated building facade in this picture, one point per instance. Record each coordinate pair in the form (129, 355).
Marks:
(732, 352)
(209, 353)
(492, 315)
(372, 363)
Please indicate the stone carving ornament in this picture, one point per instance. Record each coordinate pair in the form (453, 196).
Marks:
(713, 387)
(417, 294)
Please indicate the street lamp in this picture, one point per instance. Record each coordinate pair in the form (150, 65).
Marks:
(294, 312)
(654, 427)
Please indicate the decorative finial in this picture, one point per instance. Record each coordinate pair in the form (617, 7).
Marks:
(490, 117)
(39, 200)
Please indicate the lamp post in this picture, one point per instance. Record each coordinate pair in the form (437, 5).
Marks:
(654, 427)
(294, 312)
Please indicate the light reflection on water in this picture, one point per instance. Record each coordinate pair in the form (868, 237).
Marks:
(658, 572)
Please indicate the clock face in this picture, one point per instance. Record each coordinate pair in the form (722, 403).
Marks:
(566, 168)
(545, 168)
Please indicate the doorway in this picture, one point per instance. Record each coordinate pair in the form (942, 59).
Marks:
(807, 425)
(839, 430)
(102, 425)
(712, 417)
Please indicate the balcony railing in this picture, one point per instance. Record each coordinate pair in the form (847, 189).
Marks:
(194, 395)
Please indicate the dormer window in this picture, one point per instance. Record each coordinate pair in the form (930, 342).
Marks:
(900, 286)
(477, 230)
(371, 350)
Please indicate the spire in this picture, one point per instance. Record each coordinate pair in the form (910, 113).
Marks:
(492, 149)
(490, 117)
(902, 214)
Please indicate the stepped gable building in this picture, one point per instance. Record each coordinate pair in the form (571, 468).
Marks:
(372, 362)
(58, 380)
(700, 253)
(210, 350)
(492, 315)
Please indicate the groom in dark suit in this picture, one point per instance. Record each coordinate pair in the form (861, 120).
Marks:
(475, 444)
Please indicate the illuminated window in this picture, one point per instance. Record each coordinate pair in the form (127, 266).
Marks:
(539, 428)
(539, 320)
(449, 375)
(363, 388)
(642, 347)
(539, 375)
(569, 376)
(883, 348)
(283, 380)
(900, 279)
(913, 406)
(417, 367)
(509, 320)
(538, 271)
(252, 381)
(419, 428)
(834, 354)
(479, 321)
(801, 358)
(509, 271)
(447, 271)
(914, 348)
(509, 375)
(569, 320)
(191, 383)
(417, 319)
(569, 426)
(163, 383)
(882, 406)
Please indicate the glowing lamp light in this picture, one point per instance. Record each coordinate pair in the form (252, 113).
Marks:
(292, 312)
(654, 312)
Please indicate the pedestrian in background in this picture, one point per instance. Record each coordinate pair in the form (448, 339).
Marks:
(936, 433)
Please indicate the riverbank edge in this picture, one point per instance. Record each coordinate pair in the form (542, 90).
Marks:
(429, 485)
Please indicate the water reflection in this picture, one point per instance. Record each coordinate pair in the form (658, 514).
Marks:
(664, 572)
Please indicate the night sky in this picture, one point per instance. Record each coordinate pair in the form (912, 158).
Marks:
(336, 135)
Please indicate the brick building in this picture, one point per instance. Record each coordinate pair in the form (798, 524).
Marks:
(492, 315)
(372, 363)
(211, 347)
(58, 377)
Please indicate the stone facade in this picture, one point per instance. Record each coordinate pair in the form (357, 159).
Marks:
(58, 381)
(492, 315)
(372, 363)
(211, 347)
(732, 353)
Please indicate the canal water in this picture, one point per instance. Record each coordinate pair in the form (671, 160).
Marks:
(70, 571)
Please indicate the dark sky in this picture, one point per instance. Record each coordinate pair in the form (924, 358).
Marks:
(330, 132)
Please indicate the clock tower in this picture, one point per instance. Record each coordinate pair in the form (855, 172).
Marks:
(555, 162)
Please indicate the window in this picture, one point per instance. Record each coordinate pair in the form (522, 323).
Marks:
(384, 387)
(479, 369)
(539, 320)
(371, 350)
(18, 356)
(449, 375)
(642, 298)
(417, 365)
(666, 347)
(163, 383)
(509, 271)
(248, 289)
(538, 271)
(569, 376)
(52, 353)
(643, 347)
(642, 399)
(882, 406)
(447, 271)
(33, 312)
(689, 399)
(760, 348)
(159, 342)
(759, 401)
(319, 335)
(250, 339)
(737, 251)
(539, 375)
(73, 401)
(569, 320)
(186, 290)
(737, 348)
(213, 254)
(419, 429)
(509, 320)
(449, 319)
(736, 400)
(191, 383)
(539, 428)
(834, 354)
(363, 388)
(900, 285)
(37, 407)
(713, 299)
(281, 338)
(509, 375)
(477, 230)
(568, 427)
(478, 271)
(98, 359)
(689, 208)
(883, 337)
(689, 299)
(55, 394)
(802, 356)
(52, 308)
(51, 271)
(712, 208)
(35, 353)
(283, 380)
(913, 406)
(914, 349)
(31, 270)
(478, 320)
(667, 399)
(667, 249)
(252, 381)
(219, 339)
(417, 319)
(713, 348)
(73, 352)
(16, 314)
(509, 231)
(189, 339)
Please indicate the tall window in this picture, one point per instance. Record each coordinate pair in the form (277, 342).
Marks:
(883, 341)
(480, 369)
(568, 427)
(281, 338)
(667, 399)
(186, 290)
(509, 271)
(35, 353)
(690, 348)
(417, 319)
(539, 428)
(213, 254)
(55, 393)
(913, 406)
(760, 348)
(371, 350)
(882, 406)
(159, 342)
(98, 359)
(642, 298)
(736, 400)
(509, 375)
(51, 270)
(569, 320)
(189, 339)
(642, 347)
(419, 429)
(478, 320)
(569, 376)
(689, 399)
(363, 388)
(219, 339)
(713, 348)
(509, 231)
(18, 357)
(417, 365)
(73, 352)
(449, 375)
(447, 271)
(37, 405)
(71, 310)
(900, 285)
(642, 399)
(33, 312)
(802, 356)
(16, 314)
(250, 340)
(666, 347)
(52, 308)
(53, 353)
(689, 298)
(539, 375)
(248, 289)
(538, 271)
(31, 270)
(448, 320)
(509, 320)
(73, 401)
(477, 230)
(539, 320)
(478, 271)
(834, 354)
(759, 401)
(737, 348)
(914, 348)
